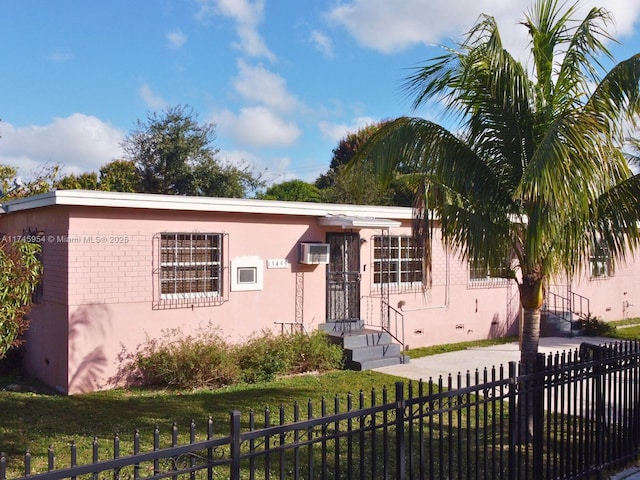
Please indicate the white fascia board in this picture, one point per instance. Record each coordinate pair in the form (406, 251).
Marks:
(87, 198)
(348, 222)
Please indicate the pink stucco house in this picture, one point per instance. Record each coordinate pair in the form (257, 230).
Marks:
(121, 267)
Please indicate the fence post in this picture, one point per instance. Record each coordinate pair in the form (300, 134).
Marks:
(513, 420)
(400, 444)
(598, 373)
(538, 416)
(234, 442)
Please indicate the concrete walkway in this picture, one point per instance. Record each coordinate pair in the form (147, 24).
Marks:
(474, 358)
(434, 366)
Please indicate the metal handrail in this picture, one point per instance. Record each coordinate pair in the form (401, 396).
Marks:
(564, 308)
(576, 304)
(398, 336)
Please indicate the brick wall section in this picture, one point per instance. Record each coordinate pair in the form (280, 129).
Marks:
(54, 260)
(110, 267)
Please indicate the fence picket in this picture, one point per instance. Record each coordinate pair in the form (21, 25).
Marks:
(585, 406)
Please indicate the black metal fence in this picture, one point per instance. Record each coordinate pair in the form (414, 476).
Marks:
(572, 415)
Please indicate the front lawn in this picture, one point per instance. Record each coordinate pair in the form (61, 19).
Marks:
(628, 329)
(36, 421)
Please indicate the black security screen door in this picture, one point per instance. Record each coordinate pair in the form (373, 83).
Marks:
(343, 277)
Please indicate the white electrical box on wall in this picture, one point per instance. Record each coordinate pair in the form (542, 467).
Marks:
(314, 253)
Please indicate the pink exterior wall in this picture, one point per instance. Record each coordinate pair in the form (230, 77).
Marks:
(111, 290)
(46, 339)
(612, 297)
(454, 309)
(100, 292)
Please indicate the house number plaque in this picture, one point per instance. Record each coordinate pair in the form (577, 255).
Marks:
(278, 263)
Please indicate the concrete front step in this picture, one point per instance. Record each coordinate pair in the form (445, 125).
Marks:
(559, 324)
(372, 352)
(376, 363)
(364, 349)
(343, 327)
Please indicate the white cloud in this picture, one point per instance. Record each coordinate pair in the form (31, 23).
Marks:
(176, 39)
(323, 43)
(238, 158)
(150, 98)
(393, 26)
(625, 12)
(79, 143)
(257, 84)
(257, 127)
(337, 131)
(247, 15)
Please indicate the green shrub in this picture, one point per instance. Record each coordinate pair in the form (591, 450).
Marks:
(264, 357)
(205, 360)
(179, 361)
(314, 352)
(596, 327)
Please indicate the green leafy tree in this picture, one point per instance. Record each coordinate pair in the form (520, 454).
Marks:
(82, 181)
(360, 185)
(12, 186)
(119, 176)
(534, 172)
(344, 153)
(293, 191)
(214, 179)
(20, 271)
(166, 146)
(174, 154)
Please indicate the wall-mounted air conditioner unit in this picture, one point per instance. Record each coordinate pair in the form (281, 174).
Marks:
(314, 253)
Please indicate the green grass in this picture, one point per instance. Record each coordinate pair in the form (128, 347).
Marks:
(36, 421)
(628, 329)
(453, 347)
(625, 322)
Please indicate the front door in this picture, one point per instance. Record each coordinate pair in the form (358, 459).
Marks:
(343, 277)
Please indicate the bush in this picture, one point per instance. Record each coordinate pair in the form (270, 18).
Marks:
(595, 327)
(263, 357)
(314, 352)
(179, 361)
(205, 360)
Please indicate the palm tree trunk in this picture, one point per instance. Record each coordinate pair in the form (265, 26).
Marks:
(531, 298)
(530, 335)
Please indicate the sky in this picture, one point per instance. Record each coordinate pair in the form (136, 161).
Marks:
(282, 80)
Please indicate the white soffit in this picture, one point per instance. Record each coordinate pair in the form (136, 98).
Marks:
(348, 222)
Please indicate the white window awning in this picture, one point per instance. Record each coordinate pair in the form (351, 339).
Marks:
(348, 222)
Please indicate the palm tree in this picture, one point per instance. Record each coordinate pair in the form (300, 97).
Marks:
(534, 175)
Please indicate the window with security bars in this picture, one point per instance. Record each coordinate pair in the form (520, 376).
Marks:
(396, 261)
(190, 264)
(601, 262)
(479, 271)
(483, 275)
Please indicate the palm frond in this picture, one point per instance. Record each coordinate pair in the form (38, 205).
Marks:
(617, 96)
(581, 61)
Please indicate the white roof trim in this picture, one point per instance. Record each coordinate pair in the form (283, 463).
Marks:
(347, 222)
(87, 198)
